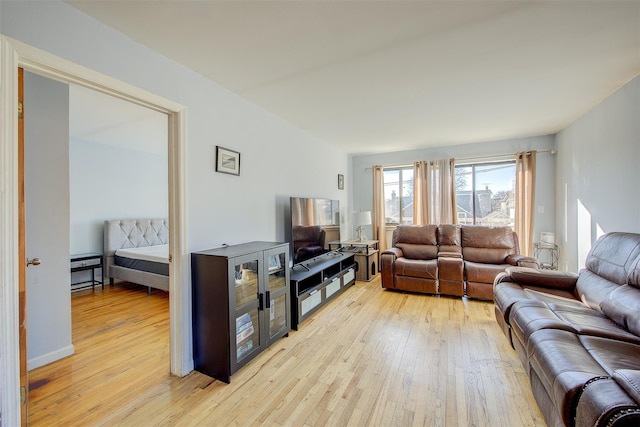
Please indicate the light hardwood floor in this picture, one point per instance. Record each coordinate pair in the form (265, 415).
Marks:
(371, 357)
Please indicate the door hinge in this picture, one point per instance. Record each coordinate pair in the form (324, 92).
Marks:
(23, 395)
(20, 109)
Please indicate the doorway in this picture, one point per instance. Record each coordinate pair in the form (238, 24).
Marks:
(89, 157)
(14, 55)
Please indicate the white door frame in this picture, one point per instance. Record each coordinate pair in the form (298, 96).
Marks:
(14, 54)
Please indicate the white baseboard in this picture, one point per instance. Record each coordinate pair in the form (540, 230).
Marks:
(45, 359)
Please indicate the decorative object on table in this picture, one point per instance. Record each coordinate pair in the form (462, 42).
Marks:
(227, 161)
(547, 238)
(340, 182)
(360, 219)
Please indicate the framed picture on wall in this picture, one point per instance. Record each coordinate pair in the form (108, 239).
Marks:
(340, 182)
(227, 161)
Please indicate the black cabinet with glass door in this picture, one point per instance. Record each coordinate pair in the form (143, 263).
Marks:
(241, 304)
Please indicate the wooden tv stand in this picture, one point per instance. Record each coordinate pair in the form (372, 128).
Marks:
(317, 281)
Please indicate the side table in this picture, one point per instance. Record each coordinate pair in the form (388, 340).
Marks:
(547, 255)
(367, 255)
(88, 261)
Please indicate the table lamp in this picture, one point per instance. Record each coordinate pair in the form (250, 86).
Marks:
(360, 219)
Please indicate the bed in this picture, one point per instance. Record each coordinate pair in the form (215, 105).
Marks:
(137, 251)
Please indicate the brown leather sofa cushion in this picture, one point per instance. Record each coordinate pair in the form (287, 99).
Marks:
(418, 234)
(612, 354)
(417, 241)
(485, 255)
(449, 239)
(482, 273)
(488, 245)
(623, 307)
(612, 258)
(634, 275)
(449, 235)
(413, 251)
(487, 237)
(416, 268)
(563, 366)
(576, 319)
(593, 289)
(629, 379)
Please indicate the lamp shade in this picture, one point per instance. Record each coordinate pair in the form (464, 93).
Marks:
(361, 218)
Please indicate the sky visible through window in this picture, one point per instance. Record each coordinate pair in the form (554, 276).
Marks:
(498, 177)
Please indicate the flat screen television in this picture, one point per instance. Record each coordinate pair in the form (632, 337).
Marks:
(314, 223)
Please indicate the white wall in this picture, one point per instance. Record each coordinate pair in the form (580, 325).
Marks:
(545, 167)
(278, 160)
(597, 174)
(47, 219)
(111, 182)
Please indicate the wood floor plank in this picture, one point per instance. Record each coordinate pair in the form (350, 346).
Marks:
(371, 357)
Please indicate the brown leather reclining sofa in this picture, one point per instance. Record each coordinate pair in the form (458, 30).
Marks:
(578, 335)
(450, 259)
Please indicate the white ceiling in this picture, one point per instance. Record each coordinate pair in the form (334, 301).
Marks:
(103, 119)
(375, 76)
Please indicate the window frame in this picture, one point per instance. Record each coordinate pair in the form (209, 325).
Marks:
(400, 170)
(473, 166)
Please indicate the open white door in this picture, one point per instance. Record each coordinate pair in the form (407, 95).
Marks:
(46, 179)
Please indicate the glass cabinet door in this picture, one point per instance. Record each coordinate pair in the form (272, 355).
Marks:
(247, 334)
(277, 284)
(277, 277)
(278, 314)
(247, 283)
(248, 327)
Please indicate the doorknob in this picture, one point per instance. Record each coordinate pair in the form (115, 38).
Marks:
(33, 261)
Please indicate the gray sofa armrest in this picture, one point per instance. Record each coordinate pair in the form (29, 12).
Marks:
(539, 278)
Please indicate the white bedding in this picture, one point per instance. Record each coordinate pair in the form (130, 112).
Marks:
(156, 253)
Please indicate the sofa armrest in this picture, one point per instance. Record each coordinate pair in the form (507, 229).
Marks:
(523, 261)
(539, 278)
(387, 266)
(629, 380)
(395, 252)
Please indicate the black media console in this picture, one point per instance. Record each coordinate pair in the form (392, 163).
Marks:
(318, 280)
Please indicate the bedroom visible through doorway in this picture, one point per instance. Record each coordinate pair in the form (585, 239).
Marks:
(114, 138)
(110, 137)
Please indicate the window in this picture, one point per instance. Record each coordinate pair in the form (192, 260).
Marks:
(398, 195)
(485, 194)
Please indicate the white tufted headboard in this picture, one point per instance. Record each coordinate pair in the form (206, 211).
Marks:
(134, 233)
